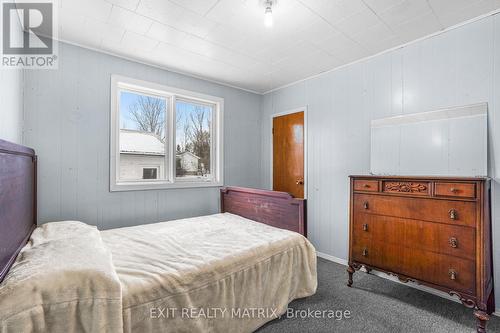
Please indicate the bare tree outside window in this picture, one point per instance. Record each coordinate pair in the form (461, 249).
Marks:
(193, 139)
(149, 115)
(142, 136)
(199, 135)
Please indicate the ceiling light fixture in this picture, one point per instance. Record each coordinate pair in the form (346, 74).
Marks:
(268, 15)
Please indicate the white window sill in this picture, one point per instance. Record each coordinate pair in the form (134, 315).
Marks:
(144, 186)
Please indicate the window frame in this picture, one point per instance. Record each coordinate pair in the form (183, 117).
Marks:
(212, 130)
(120, 83)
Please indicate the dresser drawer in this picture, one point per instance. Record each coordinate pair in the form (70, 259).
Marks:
(459, 190)
(443, 211)
(420, 188)
(447, 239)
(439, 269)
(366, 185)
(452, 272)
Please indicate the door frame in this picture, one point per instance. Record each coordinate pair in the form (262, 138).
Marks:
(284, 113)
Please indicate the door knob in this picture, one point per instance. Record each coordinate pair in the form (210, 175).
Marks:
(299, 182)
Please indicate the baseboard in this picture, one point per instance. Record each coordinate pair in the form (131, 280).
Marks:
(395, 279)
(331, 258)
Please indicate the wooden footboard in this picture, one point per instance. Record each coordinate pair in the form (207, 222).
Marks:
(277, 209)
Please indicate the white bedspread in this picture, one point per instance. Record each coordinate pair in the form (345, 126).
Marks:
(63, 281)
(219, 273)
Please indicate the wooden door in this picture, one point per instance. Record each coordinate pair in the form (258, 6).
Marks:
(288, 154)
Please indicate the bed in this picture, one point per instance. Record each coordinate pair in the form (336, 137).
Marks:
(228, 272)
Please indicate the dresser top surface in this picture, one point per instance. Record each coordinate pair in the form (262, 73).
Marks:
(445, 178)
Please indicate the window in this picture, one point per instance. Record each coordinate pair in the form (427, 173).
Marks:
(163, 137)
(150, 173)
(193, 140)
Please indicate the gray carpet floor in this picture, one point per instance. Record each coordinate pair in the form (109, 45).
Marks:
(376, 305)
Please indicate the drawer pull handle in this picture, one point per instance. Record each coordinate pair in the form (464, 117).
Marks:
(365, 253)
(454, 190)
(365, 227)
(453, 214)
(366, 186)
(453, 242)
(365, 205)
(453, 274)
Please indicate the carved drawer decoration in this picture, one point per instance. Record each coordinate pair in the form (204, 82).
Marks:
(413, 188)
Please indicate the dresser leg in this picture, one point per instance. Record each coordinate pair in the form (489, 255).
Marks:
(351, 271)
(482, 318)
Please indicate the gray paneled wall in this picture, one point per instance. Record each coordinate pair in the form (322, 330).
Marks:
(67, 115)
(11, 102)
(458, 67)
(67, 122)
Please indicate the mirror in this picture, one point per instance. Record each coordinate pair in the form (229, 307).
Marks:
(448, 142)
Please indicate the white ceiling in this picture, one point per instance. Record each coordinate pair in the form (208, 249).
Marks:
(226, 40)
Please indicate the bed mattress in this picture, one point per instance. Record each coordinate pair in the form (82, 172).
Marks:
(217, 273)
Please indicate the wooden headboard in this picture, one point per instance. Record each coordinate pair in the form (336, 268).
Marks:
(17, 201)
(278, 209)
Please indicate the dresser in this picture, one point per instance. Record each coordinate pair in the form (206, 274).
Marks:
(432, 231)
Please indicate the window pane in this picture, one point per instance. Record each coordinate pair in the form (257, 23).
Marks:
(193, 140)
(142, 136)
(150, 173)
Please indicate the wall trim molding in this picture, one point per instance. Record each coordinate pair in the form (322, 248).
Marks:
(332, 258)
(395, 279)
(164, 68)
